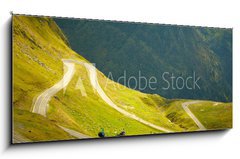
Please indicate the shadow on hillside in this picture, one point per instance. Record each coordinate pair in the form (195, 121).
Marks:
(8, 83)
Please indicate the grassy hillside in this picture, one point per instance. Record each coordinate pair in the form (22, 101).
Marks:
(146, 106)
(38, 49)
(38, 46)
(213, 115)
(175, 113)
(88, 114)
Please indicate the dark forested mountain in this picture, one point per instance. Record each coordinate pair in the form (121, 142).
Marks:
(156, 49)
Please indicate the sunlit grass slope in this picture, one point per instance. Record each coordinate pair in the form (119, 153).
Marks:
(174, 111)
(168, 113)
(38, 48)
(213, 115)
(36, 127)
(146, 106)
(87, 114)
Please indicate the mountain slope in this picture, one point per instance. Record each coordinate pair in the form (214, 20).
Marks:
(154, 49)
(37, 65)
(39, 47)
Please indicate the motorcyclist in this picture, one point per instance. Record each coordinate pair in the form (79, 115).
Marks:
(101, 134)
(122, 133)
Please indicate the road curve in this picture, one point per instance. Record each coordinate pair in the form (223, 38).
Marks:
(75, 133)
(41, 104)
(194, 118)
(94, 82)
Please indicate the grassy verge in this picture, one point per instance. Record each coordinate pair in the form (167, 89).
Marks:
(213, 115)
(37, 128)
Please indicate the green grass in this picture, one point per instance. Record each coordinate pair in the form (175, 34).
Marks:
(88, 114)
(174, 111)
(38, 48)
(37, 58)
(213, 116)
(146, 106)
(37, 128)
(37, 66)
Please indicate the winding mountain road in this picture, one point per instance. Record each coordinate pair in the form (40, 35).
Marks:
(194, 118)
(94, 82)
(75, 133)
(41, 104)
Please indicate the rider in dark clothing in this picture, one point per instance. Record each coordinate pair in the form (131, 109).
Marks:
(122, 133)
(101, 134)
